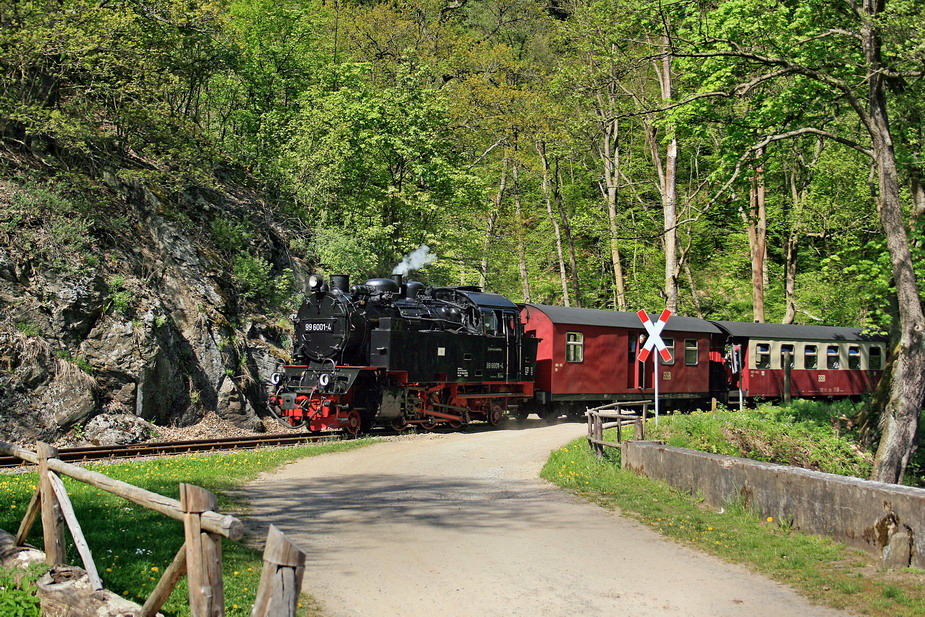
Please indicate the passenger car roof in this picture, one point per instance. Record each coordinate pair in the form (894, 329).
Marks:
(619, 319)
(795, 332)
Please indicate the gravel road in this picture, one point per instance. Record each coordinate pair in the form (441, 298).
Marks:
(461, 525)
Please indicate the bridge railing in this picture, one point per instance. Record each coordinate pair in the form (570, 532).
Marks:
(199, 558)
(622, 413)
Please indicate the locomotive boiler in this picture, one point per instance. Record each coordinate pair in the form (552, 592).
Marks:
(395, 353)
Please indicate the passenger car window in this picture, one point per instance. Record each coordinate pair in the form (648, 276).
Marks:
(691, 352)
(810, 357)
(854, 358)
(831, 357)
(875, 363)
(785, 349)
(763, 355)
(574, 347)
(669, 345)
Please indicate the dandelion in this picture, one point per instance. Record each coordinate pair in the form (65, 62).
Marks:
(154, 568)
(770, 519)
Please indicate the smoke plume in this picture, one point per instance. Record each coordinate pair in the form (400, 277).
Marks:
(415, 260)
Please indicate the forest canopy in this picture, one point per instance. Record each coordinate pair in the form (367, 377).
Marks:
(575, 152)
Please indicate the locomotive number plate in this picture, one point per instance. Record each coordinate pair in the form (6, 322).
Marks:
(318, 326)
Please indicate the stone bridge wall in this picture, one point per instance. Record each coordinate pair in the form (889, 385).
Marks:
(885, 519)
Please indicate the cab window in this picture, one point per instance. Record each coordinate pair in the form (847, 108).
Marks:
(491, 323)
(574, 347)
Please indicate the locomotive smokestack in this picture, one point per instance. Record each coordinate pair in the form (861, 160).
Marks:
(397, 278)
(340, 282)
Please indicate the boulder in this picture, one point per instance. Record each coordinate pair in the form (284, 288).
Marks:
(117, 430)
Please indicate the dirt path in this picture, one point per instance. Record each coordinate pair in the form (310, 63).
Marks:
(460, 525)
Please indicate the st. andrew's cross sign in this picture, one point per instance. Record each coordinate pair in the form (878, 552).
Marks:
(654, 329)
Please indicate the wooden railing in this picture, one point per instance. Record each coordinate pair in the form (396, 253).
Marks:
(199, 558)
(615, 411)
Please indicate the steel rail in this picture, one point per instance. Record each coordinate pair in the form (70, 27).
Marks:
(90, 453)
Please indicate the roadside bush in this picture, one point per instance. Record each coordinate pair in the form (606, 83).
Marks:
(802, 434)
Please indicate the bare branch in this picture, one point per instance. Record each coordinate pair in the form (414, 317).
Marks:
(833, 31)
(484, 154)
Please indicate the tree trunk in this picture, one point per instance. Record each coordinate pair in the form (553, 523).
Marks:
(899, 419)
(541, 150)
(519, 230)
(756, 222)
(610, 157)
(793, 242)
(567, 230)
(669, 189)
(492, 221)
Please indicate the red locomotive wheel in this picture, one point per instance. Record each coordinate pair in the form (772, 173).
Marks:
(429, 424)
(399, 424)
(353, 422)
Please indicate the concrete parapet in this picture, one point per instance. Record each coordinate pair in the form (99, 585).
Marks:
(885, 519)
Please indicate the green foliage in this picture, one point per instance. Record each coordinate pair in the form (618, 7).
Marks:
(28, 329)
(257, 282)
(231, 236)
(120, 297)
(80, 362)
(17, 592)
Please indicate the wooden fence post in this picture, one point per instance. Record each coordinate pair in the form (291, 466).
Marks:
(639, 433)
(598, 435)
(52, 517)
(203, 554)
(281, 579)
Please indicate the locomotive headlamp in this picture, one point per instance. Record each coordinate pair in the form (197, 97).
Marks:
(315, 282)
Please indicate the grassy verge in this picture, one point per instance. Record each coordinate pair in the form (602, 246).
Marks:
(823, 570)
(132, 546)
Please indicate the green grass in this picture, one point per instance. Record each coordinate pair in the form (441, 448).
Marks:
(132, 546)
(821, 569)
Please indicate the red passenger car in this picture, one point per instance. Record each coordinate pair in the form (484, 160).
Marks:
(587, 357)
(825, 361)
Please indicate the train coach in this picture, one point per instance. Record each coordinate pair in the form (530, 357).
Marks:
(587, 357)
(824, 361)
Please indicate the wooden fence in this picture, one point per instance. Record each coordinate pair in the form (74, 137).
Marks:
(615, 411)
(199, 558)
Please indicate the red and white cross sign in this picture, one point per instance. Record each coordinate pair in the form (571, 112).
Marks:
(654, 328)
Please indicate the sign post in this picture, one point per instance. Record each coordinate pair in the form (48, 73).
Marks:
(654, 329)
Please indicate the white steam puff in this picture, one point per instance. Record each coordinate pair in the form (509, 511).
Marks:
(415, 260)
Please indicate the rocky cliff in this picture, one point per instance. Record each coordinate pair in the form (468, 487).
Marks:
(125, 298)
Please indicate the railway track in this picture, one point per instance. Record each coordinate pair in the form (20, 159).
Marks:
(92, 453)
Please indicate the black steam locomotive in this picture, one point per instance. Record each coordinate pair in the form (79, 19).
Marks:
(395, 353)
